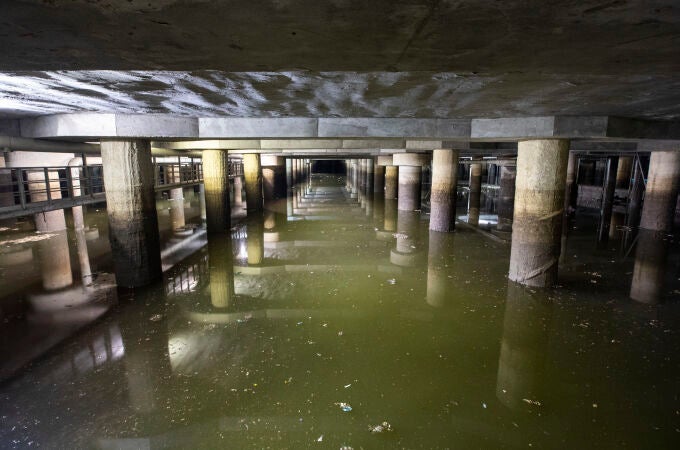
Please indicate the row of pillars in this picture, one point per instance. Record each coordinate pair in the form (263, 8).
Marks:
(534, 197)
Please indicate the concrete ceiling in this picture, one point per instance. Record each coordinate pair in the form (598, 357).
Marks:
(341, 58)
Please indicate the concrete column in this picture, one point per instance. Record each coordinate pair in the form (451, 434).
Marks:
(658, 209)
(273, 182)
(289, 187)
(368, 186)
(539, 204)
(221, 265)
(83, 257)
(571, 192)
(131, 207)
(355, 179)
(55, 262)
(491, 174)
(361, 185)
(238, 191)
(410, 178)
(379, 180)
(475, 196)
(391, 182)
(216, 181)
(506, 197)
(444, 187)
(201, 200)
(176, 198)
(623, 172)
(634, 206)
(607, 198)
(252, 172)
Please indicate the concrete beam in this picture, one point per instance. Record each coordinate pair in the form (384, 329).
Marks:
(293, 127)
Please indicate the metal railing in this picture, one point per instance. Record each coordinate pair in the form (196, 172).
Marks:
(31, 190)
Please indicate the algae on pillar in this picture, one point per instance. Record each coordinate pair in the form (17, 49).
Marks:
(131, 208)
(252, 172)
(216, 182)
(444, 187)
(539, 205)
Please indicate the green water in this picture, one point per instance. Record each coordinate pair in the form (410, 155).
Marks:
(224, 354)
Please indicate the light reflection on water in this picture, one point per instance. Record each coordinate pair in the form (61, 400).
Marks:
(252, 341)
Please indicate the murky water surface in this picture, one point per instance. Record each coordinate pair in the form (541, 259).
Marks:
(329, 331)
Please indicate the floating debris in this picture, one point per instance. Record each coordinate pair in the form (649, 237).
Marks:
(385, 426)
(344, 406)
(484, 405)
(156, 317)
(320, 438)
(531, 402)
(392, 281)
(348, 385)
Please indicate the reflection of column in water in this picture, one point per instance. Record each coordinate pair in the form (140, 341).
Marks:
(650, 267)
(255, 241)
(146, 360)
(615, 225)
(407, 248)
(221, 271)
(390, 215)
(525, 336)
(55, 261)
(437, 274)
(83, 258)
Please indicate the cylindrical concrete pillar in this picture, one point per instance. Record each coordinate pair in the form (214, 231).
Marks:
(571, 192)
(634, 206)
(391, 182)
(252, 172)
(607, 204)
(176, 200)
(238, 191)
(623, 172)
(506, 197)
(443, 192)
(55, 262)
(390, 223)
(475, 195)
(83, 257)
(539, 204)
(216, 182)
(355, 179)
(406, 251)
(131, 208)
(379, 180)
(658, 209)
(410, 178)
